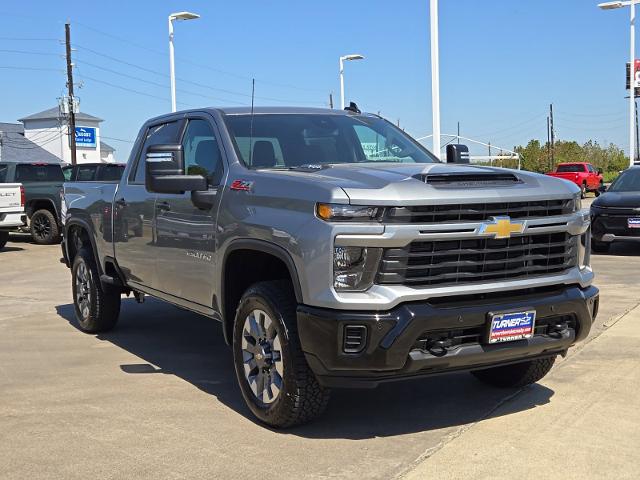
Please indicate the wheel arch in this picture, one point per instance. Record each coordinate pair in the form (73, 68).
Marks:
(77, 231)
(276, 264)
(35, 204)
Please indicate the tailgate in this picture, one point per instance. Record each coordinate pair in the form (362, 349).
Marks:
(10, 197)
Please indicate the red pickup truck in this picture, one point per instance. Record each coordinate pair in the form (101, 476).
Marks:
(583, 174)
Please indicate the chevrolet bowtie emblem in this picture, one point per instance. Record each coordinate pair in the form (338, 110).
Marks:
(502, 227)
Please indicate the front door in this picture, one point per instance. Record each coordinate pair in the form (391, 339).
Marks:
(185, 234)
(134, 211)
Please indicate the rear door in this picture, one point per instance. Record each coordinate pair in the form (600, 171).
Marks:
(185, 234)
(133, 212)
(593, 182)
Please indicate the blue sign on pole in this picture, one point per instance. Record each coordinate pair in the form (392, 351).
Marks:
(86, 137)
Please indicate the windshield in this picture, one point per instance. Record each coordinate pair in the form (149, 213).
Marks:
(570, 168)
(295, 140)
(628, 181)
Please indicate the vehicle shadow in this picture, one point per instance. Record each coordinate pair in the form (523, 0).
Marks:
(9, 248)
(621, 249)
(176, 342)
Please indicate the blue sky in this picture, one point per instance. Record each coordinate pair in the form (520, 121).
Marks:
(502, 62)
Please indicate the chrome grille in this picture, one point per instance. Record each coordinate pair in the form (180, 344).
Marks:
(478, 212)
(452, 262)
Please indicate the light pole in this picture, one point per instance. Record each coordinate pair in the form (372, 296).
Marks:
(632, 90)
(172, 67)
(435, 77)
(342, 59)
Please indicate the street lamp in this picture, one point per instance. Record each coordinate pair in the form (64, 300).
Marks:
(435, 78)
(172, 68)
(342, 59)
(632, 90)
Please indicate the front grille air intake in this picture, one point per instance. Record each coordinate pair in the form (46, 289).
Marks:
(455, 262)
(354, 338)
(469, 180)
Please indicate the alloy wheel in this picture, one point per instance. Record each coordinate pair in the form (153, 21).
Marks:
(42, 227)
(83, 290)
(262, 356)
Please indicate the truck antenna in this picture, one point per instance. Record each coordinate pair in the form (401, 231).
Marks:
(253, 92)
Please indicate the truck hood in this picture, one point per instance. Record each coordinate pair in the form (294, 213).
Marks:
(618, 200)
(415, 184)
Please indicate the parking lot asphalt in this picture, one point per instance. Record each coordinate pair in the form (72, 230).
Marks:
(157, 397)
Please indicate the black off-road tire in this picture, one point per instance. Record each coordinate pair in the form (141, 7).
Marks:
(516, 375)
(599, 247)
(100, 312)
(44, 227)
(301, 398)
(4, 238)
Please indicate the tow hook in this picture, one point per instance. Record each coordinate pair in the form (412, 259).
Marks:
(139, 296)
(438, 348)
(558, 330)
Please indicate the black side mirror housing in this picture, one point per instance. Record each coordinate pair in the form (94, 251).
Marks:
(165, 172)
(457, 153)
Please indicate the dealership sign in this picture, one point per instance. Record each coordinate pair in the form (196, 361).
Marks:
(86, 137)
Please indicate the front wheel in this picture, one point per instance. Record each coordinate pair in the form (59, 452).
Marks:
(97, 306)
(276, 382)
(44, 227)
(599, 247)
(583, 190)
(516, 375)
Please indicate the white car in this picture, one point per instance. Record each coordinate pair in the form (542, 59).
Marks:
(12, 214)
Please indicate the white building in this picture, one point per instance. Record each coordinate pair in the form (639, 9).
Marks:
(49, 130)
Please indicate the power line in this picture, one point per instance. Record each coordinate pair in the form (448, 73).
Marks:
(30, 52)
(186, 60)
(25, 39)
(117, 139)
(32, 68)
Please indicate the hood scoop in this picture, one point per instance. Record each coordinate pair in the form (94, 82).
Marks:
(469, 180)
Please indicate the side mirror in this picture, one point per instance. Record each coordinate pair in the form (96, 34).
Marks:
(457, 153)
(602, 188)
(164, 171)
(599, 171)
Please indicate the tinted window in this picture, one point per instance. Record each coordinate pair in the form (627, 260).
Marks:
(201, 151)
(628, 181)
(156, 135)
(570, 168)
(86, 173)
(110, 173)
(3, 173)
(39, 173)
(67, 172)
(591, 169)
(290, 140)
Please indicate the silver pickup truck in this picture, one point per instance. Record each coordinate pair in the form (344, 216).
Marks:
(336, 251)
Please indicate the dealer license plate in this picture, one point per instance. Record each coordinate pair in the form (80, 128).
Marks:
(508, 327)
(633, 222)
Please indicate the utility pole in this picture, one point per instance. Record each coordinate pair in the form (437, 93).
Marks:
(458, 139)
(330, 100)
(549, 143)
(637, 159)
(490, 159)
(553, 137)
(72, 114)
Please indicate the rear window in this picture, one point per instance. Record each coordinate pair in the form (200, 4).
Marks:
(39, 173)
(570, 168)
(111, 173)
(86, 173)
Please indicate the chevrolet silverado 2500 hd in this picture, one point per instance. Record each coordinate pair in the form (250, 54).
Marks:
(336, 251)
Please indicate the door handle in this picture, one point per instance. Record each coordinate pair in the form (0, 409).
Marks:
(163, 206)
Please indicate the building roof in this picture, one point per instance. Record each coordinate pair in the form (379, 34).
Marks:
(105, 147)
(54, 112)
(11, 127)
(14, 147)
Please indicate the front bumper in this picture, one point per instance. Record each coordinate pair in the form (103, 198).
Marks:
(610, 227)
(393, 348)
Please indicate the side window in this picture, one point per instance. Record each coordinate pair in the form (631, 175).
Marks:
(201, 151)
(591, 169)
(3, 173)
(156, 135)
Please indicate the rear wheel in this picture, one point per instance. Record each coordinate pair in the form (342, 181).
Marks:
(4, 238)
(276, 382)
(516, 375)
(97, 306)
(44, 228)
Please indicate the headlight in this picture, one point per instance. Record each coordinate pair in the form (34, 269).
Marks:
(332, 212)
(355, 268)
(584, 250)
(577, 203)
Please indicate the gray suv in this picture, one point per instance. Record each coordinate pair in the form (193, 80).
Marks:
(336, 251)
